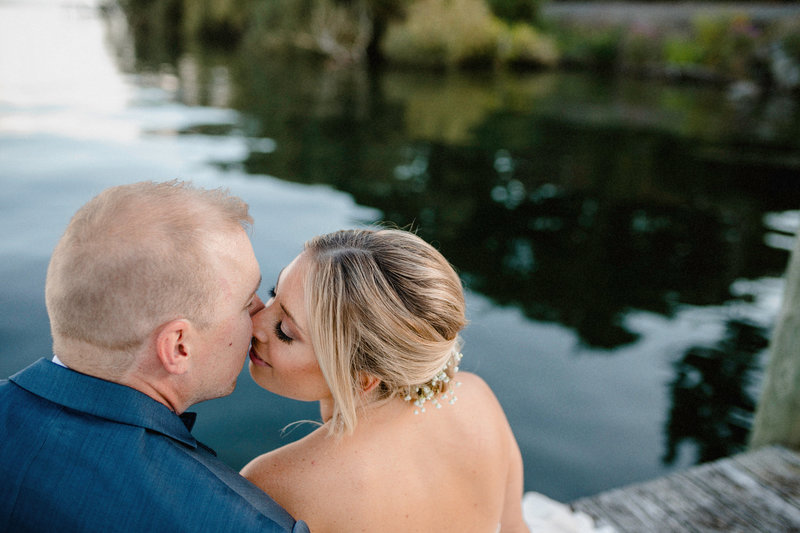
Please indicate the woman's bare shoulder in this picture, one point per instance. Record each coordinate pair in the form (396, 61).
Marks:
(473, 388)
(469, 377)
(297, 476)
(265, 469)
(478, 399)
(270, 470)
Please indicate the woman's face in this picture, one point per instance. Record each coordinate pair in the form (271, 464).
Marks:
(281, 357)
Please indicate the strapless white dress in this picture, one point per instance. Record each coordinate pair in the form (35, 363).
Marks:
(544, 515)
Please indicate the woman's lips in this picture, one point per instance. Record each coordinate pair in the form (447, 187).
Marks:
(256, 359)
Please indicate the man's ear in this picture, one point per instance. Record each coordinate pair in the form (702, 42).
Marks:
(172, 346)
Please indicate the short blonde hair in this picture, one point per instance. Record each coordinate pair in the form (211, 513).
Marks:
(382, 303)
(135, 257)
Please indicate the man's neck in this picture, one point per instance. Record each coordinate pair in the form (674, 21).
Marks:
(132, 380)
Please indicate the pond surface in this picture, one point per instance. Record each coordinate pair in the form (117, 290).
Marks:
(623, 242)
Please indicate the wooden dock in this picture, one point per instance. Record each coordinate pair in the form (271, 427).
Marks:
(757, 491)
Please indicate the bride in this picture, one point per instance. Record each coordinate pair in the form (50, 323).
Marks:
(367, 322)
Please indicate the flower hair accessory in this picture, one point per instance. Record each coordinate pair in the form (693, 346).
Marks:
(437, 387)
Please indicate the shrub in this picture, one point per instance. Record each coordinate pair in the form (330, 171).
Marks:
(443, 33)
(723, 44)
(682, 52)
(516, 10)
(596, 47)
(523, 45)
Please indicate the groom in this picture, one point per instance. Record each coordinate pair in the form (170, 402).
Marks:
(150, 293)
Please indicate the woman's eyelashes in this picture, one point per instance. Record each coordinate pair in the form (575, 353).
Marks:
(283, 337)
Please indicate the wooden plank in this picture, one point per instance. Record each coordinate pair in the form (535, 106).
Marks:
(740, 502)
(697, 509)
(767, 495)
(754, 492)
(674, 505)
(641, 508)
(776, 468)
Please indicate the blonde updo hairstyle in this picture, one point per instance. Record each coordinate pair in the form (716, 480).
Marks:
(381, 303)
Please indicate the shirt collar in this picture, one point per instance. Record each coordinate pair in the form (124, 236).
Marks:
(104, 399)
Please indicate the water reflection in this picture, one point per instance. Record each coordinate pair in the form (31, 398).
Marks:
(711, 403)
(572, 223)
(572, 198)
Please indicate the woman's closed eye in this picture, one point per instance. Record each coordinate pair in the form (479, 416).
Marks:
(283, 337)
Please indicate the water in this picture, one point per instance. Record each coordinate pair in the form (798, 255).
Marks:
(623, 242)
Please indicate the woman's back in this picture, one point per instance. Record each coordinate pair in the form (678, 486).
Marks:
(361, 321)
(457, 468)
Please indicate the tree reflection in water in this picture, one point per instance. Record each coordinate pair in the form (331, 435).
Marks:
(711, 405)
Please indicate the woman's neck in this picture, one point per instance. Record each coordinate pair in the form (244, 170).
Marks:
(373, 411)
(326, 409)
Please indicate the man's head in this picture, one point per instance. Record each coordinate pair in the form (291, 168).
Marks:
(147, 264)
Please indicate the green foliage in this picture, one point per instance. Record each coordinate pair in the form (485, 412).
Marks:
(681, 52)
(289, 15)
(457, 33)
(522, 44)
(787, 36)
(726, 42)
(722, 47)
(791, 45)
(216, 21)
(454, 33)
(717, 47)
(597, 47)
(605, 48)
(783, 56)
(155, 25)
(641, 48)
(443, 33)
(516, 10)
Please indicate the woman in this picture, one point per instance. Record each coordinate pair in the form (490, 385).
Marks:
(367, 322)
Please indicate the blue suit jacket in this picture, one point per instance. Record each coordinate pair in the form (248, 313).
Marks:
(81, 454)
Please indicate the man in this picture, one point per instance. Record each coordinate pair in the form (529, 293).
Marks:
(150, 293)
